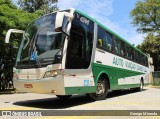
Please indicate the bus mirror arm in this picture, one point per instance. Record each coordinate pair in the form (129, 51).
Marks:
(66, 24)
(63, 22)
(7, 38)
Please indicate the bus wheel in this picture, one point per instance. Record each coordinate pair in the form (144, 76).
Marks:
(139, 88)
(141, 85)
(64, 97)
(102, 90)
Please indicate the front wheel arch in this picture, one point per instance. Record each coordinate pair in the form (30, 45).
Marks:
(104, 75)
(102, 88)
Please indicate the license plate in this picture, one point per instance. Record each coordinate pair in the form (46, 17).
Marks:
(28, 86)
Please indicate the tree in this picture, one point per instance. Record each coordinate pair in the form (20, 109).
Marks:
(34, 5)
(10, 17)
(151, 45)
(146, 16)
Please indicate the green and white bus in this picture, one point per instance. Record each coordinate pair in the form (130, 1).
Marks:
(67, 52)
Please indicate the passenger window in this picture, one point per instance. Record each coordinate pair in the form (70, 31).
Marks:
(109, 42)
(114, 46)
(146, 61)
(122, 49)
(101, 38)
(142, 60)
(139, 59)
(132, 53)
(129, 52)
(137, 56)
(104, 39)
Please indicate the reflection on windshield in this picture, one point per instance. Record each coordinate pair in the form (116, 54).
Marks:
(47, 46)
(40, 44)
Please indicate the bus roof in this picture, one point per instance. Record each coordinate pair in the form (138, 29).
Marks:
(110, 31)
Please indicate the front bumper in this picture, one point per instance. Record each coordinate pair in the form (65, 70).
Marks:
(51, 85)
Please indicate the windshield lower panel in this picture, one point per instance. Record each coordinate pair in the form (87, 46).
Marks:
(41, 45)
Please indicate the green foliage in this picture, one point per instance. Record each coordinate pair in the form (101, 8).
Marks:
(11, 17)
(146, 16)
(34, 5)
(151, 45)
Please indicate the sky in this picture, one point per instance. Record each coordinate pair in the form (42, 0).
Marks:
(114, 14)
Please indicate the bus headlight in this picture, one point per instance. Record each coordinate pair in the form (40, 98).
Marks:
(54, 73)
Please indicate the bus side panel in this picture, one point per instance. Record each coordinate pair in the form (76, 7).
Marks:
(122, 73)
(118, 78)
(80, 90)
(79, 81)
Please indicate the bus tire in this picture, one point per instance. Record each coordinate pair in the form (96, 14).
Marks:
(102, 90)
(141, 86)
(64, 97)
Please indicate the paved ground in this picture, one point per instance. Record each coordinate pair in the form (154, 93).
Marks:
(149, 99)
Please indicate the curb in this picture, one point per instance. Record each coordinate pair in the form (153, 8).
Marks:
(153, 86)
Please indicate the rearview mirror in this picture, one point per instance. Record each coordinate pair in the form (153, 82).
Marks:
(59, 21)
(64, 25)
(67, 19)
(62, 21)
(12, 31)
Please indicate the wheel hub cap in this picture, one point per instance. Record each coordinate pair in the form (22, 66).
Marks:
(100, 89)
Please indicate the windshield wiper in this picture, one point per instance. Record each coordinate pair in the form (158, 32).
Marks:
(34, 48)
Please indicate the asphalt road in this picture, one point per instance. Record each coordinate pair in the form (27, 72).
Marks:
(148, 99)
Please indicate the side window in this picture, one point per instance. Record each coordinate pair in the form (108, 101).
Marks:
(122, 49)
(139, 59)
(129, 52)
(104, 39)
(132, 54)
(142, 59)
(101, 40)
(137, 56)
(146, 61)
(109, 41)
(115, 45)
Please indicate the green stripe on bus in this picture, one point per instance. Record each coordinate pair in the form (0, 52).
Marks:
(114, 74)
(80, 90)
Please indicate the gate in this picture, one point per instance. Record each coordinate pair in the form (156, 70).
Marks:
(156, 78)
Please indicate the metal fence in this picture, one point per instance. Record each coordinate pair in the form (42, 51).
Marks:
(156, 78)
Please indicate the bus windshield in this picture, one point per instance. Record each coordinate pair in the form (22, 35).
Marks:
(41, 45)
